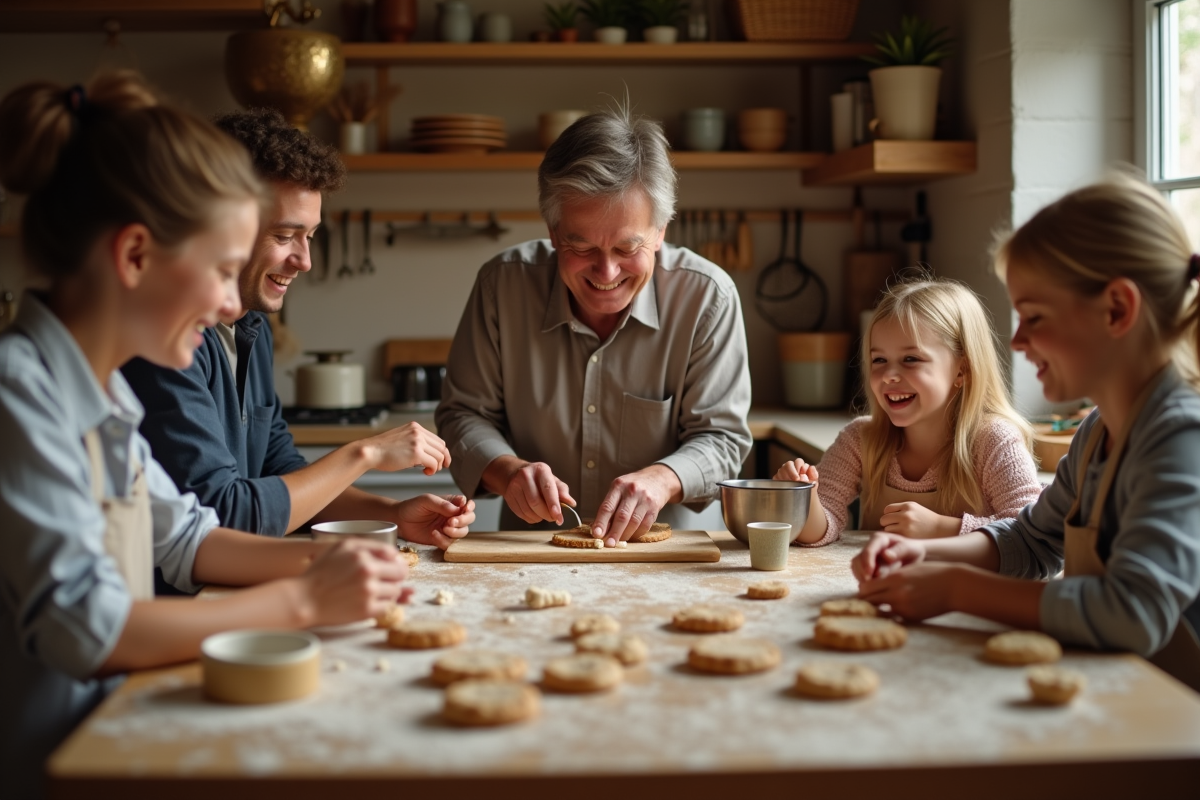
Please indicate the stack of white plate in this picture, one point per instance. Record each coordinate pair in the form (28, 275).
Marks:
(458, 133)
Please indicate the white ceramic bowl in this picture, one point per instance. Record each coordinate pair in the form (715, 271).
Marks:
(373, 529)
(260, 666)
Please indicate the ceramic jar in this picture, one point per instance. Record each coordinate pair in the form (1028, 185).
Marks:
(454, 21)
(704, 129)
(395, 20)
(495, 27)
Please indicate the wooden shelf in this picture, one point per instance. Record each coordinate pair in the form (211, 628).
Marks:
(508, 160)
(893, 161)
(45, 16)
(596, 54)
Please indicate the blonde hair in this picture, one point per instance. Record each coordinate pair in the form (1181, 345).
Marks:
(1119, 228)
(105, 156)
(952, 313)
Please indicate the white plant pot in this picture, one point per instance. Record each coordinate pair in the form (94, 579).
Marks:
(905, 102)
(611, 35)
(661, 34)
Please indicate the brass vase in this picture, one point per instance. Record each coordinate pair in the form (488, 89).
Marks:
(296, 71)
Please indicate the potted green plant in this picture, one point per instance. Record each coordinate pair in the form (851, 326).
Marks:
(904, 87)
(660, 18)
(561, 19)
(610, 18)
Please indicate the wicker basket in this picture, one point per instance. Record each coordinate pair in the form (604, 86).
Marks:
(794, 20)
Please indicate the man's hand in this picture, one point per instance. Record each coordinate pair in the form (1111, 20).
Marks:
(352, 580)
(884, 554)
(918, 522)
(797, 470)
(633, 502)
(915, 592)
(529, 488)
(430, 519)
(407, 446)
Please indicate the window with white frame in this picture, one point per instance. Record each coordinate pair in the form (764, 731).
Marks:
(1172, 105)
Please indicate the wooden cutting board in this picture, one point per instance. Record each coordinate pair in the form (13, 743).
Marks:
(533, 547)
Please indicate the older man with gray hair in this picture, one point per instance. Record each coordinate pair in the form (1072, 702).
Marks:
(601, 362)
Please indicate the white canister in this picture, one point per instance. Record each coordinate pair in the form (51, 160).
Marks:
(354, 138)
(841, 108)
(330, 383)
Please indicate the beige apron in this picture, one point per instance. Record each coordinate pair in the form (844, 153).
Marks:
(1180, 658)
(129, 528)
(869, 516)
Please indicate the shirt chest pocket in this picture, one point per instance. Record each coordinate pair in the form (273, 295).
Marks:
(647, 433)
(258, 433)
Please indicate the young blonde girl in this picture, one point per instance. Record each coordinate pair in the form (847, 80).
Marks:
(139, 219)
(1104, 284)
(943, 451)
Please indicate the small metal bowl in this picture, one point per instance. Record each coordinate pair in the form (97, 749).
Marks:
(746, 501)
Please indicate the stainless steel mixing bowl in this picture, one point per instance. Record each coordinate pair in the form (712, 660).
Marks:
(746, 501)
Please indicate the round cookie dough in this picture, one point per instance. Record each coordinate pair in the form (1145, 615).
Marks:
(708, 619)
(580, 536)
(734, 655)
(624, 647)
(859, 633)
(582, 672)
(425, 634)
(1055, 686)
(767, 590)
(478, 665)
(594, 623)
(848, 607)
(478, 703)
(1021, 647)
(390, 618)
(659, 532)
(833, 680)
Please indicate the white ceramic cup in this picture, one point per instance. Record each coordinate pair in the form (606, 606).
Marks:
(373, 529)
(769, 545)
(354, 138)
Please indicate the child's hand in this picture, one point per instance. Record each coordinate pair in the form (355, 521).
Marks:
(356, 579)
(918, 522)
(797, 470)
(884, 554)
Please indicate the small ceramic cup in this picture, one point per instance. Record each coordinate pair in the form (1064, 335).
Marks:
(553, 123)
(373, 529)
(769, 544)
(354, 138)
(495, 27)
(704, 129)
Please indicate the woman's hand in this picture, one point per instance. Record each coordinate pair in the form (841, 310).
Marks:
(918, 522)
(356, 579)
(797, 470)
(408, 446)
(917, 591)
(883, 554)
(430, 519)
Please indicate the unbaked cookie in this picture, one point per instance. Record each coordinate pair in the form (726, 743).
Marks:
(848, 607)
(390, 618)
(582, 672)
(594, 623)
(1021, 647)
(1055, 686)
(409, 554)
(475, 702)
(477, 665)
(425, 634)
(579, 536)
(733, 655)
(624, 647)
(537, 597)
(833, 680)
(859, 633)
(659, 532)
(708, 619)
(767, 590)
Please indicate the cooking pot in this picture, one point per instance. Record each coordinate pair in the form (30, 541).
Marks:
(331, 382)
(417, 386)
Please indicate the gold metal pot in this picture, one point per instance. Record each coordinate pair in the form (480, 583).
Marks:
(295, 71)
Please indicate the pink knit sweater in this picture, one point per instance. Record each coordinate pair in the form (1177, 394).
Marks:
(1005, 470)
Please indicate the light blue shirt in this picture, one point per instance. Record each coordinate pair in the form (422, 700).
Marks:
(63, 602)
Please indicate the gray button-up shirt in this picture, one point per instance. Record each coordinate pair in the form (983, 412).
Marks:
(671, 385)
(63, 602)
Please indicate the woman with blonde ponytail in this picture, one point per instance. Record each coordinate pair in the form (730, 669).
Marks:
(1104, 284)
(139, 219)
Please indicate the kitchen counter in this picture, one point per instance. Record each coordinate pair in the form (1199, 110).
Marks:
(942, 722)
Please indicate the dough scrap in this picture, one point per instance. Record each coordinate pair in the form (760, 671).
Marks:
(482, 702)
(767, 590)
(425, 634)
(624, 647)
(491, 665)
(594, 623)
(848, 607)
(1021, 648)
(734, 655)
(390, 618)
(443, 597)
(537, 597)
(582, 672)
(410, 556)
(835, 680)
(859, 633)
(1055, 686)
(708, 619)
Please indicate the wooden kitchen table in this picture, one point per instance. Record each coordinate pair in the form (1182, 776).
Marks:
(943, 723)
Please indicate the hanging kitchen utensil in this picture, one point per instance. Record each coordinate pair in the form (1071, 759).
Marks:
(788, 294)
(322, 237)
(917, 233)
(367, 266)
(729, 237)
(867, 271)
(345, 270)
(745, 244)
(493, 230)
(714, 247)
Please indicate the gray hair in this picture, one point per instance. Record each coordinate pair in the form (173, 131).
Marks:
(608, 154)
